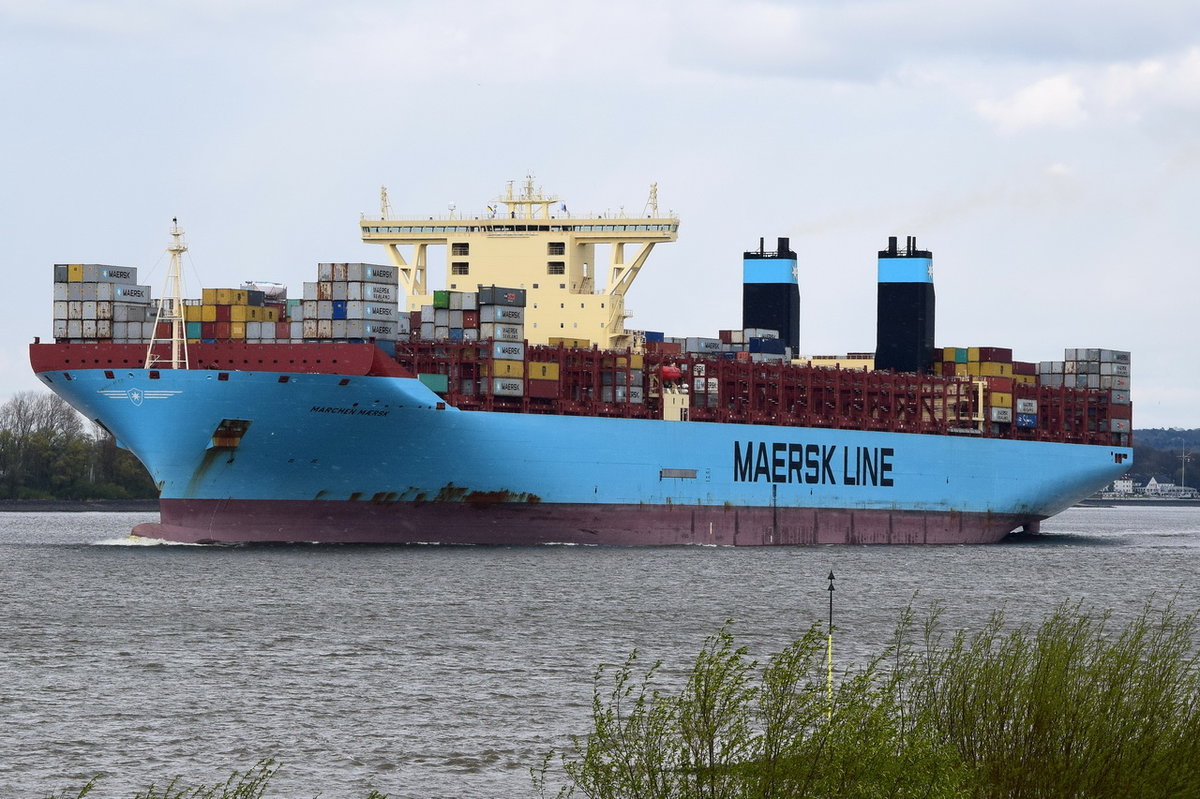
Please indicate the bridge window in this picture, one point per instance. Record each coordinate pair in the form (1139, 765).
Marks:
(460, 267)
(460, 248)
(556, 248)
(556, 268)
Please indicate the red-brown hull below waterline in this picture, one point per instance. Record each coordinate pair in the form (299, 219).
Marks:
(516, 524)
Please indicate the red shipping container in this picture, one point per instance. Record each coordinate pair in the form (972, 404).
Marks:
(542, 389)
(223, 315)
(470, 319)
(162, 330)
(222, 328)
(1001, 384)
(1024, 368)
(995, 354)
(208, 330)
(664, 347)
(283, 330)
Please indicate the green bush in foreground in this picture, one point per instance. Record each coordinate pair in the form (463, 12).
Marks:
(1072, 707)
(250, 785)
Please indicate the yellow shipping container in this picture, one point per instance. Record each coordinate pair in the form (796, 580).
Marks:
(637, 360)
(208, 313)
(962, 370)
(74, 273)
(995, 369)
(543, 371)
(270, 314)
(937, 368)
(948, 354)
(505, 369)
(1000, 399)
(237, 329)
(245, 313)
(577, 343)
(1028, 380)
(972, 354)
(232, 297)
(209, 296)
(191, 313)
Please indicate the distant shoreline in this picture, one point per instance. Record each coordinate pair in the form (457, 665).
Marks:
(1142, 502)
(79, 506)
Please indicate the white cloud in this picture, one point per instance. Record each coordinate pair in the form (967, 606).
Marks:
(1051, 102)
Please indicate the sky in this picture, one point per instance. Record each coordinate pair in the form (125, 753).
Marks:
(1047, 153)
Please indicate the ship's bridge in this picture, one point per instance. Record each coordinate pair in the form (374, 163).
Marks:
(530, 240)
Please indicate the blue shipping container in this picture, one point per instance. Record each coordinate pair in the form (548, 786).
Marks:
(339, 309)
(1026, 420)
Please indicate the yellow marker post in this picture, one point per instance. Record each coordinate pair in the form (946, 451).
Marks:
(829, 658)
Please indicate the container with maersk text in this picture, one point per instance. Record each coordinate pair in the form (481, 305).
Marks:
(508, 350)
(502, 332)
(508, 387)
(502, 314)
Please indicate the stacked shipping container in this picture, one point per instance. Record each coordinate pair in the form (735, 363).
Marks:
(101, 302)
(350, 302)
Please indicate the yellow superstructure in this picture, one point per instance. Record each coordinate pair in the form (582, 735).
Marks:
(529, 240)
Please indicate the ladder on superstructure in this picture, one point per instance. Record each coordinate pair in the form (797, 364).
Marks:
(170, 309)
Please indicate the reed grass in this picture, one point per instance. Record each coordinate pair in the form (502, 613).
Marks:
(1074, 705)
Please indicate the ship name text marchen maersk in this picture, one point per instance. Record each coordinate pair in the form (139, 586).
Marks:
(812, 464)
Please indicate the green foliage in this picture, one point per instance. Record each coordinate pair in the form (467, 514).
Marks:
(1071, 707)
(251, 784)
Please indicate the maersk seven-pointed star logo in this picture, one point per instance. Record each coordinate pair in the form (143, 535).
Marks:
(137, 396)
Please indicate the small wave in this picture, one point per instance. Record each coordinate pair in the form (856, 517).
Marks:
(141, 541)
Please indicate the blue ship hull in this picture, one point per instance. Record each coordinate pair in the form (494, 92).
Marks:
(337, 458)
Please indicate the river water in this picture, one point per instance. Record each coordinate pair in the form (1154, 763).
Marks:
(449, 671)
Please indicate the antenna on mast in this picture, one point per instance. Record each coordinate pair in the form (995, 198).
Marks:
(652, 203)
(170, 307)
(385, 207)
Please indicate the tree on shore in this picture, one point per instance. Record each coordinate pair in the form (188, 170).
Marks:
(47, 451)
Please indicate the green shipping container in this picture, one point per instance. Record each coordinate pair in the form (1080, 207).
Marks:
(438, 384)
(193, 330)
(441, 299)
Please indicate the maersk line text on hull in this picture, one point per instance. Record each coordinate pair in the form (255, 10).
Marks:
(812, 464)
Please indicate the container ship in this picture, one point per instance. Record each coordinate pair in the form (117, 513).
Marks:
(515, 406)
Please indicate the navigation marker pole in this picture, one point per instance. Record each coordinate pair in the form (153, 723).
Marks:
(829, 657)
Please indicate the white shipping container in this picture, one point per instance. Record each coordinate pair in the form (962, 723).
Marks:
(456, 304)
(324, 272)
(372, 273)
(254, 329)
(456, 318)
(441, 317)
(1114, 381)
(61, 309)
(309, 292)
(470, 334)
(1120, 425)
(60, 328)
(1026, 406)
(131, 293)
(296, 329)
(507, 314)
(340, 290)
(104, 310)
(470, 301)
(75, 292)
(1119, 369)
(508, 386)
(759, 332)
(106, 291)
(102, 273)
(104, 328)
(428, 330)
(89, 328)
(338, 328)
(309, 309)
(501, 332)
(403, 324)
(324, 328)
(74, 311)
(324, 309)
(75, 328)
(325, 290)
(636, 394)
(61, 290)
(89, 309)
(340, 273)
(508, 350)
(137, 330)
(308, 328)
(1002, 415)
(441, 332)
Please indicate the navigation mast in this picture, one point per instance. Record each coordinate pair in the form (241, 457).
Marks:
(170, 308)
